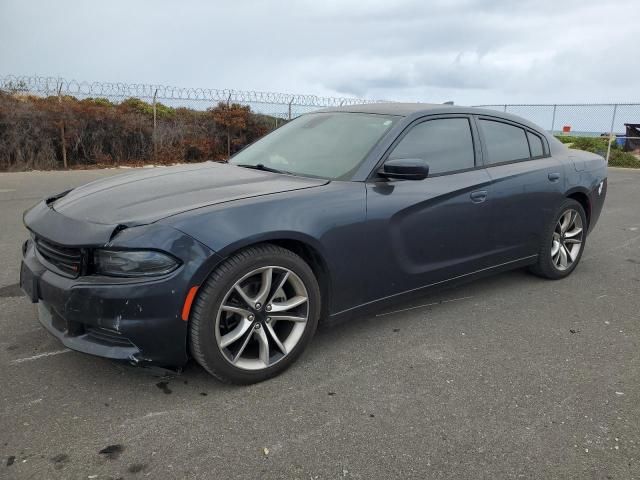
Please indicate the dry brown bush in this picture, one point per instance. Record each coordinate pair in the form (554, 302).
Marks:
(100, 133)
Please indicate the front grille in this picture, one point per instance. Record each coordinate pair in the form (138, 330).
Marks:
(65, 260)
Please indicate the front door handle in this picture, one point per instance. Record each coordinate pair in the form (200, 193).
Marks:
(478, 196)
(554, 177)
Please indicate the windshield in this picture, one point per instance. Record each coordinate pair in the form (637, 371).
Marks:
(327, 145)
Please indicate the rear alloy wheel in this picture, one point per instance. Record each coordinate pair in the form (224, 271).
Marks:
(255, 315)
(567, 240)
(563, 242)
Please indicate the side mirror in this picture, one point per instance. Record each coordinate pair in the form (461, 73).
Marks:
(405, 169)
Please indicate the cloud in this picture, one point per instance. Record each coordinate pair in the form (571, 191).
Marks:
(472, 51)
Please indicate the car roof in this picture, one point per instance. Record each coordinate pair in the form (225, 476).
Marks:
(419, 109)
(386, 108)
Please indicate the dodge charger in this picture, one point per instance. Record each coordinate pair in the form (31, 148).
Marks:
(334, 214)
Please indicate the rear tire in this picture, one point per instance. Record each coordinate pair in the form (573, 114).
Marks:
(254, 315)
(563, 242)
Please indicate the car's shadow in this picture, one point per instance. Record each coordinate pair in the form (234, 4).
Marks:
(193, 381)
(343, 331)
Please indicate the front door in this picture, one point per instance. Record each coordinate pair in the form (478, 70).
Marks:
(428, 231)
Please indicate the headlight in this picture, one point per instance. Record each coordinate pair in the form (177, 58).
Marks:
(133, 263)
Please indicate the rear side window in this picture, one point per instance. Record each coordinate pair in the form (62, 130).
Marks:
(504, 142)
(445, 144)
(535, 144)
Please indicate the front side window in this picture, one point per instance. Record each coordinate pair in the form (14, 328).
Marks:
(445, 144)
(328, 145)
(504, 142)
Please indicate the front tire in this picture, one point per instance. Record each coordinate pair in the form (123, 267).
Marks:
(562, 242)
(254, 315)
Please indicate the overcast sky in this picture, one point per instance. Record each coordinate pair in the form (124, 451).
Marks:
(470, 51)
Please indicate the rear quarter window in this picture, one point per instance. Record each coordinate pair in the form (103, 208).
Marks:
(535, 144)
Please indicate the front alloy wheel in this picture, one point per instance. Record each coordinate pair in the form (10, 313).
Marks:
(255, 314)
(262, 317)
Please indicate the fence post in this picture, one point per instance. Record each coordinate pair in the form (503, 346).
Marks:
(62, 139)
(228, 127)
(505, 108)
(613, 121)
(553, 119)
(154, 138)
(290, 102)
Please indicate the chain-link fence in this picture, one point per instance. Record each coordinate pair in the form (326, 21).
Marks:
(51, 122)
(590, 120)
(608, 129)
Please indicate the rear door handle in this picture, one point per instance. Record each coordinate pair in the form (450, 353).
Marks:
(478, 196)
(554, 177)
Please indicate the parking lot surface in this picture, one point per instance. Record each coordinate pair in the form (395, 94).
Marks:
(508, 377)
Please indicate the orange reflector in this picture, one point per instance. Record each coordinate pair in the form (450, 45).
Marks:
(187, 303)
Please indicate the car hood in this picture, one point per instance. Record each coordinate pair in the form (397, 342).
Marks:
(149, 195)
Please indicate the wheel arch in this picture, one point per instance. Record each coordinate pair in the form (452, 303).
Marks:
(581, 196)
(318, 265)
(300, 244)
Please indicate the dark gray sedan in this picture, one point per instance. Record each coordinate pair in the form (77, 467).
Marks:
(334, 213)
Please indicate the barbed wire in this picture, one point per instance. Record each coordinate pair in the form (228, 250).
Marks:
(43, 85)
(586, 117)
(496, 106)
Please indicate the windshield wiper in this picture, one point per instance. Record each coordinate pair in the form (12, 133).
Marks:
(263, 167)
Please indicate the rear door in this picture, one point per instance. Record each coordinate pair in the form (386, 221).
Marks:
(427, 231)
(526, 186)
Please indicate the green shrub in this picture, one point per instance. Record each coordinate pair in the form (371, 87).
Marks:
(140, 106)
(590, 144)
(566, 138)
(599, 145)
(618, 158)
(102, 102)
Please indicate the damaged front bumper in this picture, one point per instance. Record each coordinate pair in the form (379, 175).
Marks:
(99, 341)
(134, 321)
(138, 320)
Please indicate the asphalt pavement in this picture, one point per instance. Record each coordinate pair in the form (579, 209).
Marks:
(508, 377)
